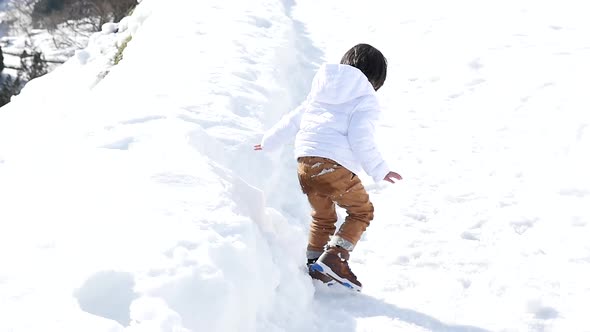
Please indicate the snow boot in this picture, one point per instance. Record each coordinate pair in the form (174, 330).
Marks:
(334, 263)
(317, 275)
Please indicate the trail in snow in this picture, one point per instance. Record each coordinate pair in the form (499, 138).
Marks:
(336, 309)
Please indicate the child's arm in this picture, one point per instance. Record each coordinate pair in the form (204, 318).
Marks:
(282, 131)
(361, 139)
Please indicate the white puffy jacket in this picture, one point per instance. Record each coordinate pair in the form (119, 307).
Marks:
(336, 121)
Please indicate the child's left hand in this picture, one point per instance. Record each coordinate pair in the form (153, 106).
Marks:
(391, 176)
(257, 147)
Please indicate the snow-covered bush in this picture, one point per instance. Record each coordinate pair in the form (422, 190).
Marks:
(121, 49)
(1, 60)
(32, 65)
(9, 87)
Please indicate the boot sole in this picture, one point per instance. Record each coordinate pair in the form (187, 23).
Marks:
(329, 283)
(326, 270)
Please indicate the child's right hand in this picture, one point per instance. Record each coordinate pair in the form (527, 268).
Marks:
(392, 175)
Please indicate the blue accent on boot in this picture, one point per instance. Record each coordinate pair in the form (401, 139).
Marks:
(316, 267)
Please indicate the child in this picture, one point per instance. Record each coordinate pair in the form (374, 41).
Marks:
(333, 131)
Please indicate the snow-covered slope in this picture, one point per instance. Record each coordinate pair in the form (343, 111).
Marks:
(140, 189)
(131, 199)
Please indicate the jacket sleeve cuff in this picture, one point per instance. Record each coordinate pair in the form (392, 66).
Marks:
(380, 172)
(266, 143)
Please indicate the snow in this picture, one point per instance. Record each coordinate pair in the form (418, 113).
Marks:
(131, 198)
(323, 172)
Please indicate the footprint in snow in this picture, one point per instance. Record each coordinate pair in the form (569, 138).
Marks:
(520, 227)
(261, 22)
(108, 294)
(143, 119)
(470, 236)
(122, 144)
(541, 311)
(476, 81)
(476, 64)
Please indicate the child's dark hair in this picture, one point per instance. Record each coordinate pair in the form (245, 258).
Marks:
(370, 61)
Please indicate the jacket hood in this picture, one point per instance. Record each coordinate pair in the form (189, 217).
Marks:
(338, 84)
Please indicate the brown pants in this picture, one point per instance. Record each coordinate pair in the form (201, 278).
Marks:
(325, 182)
